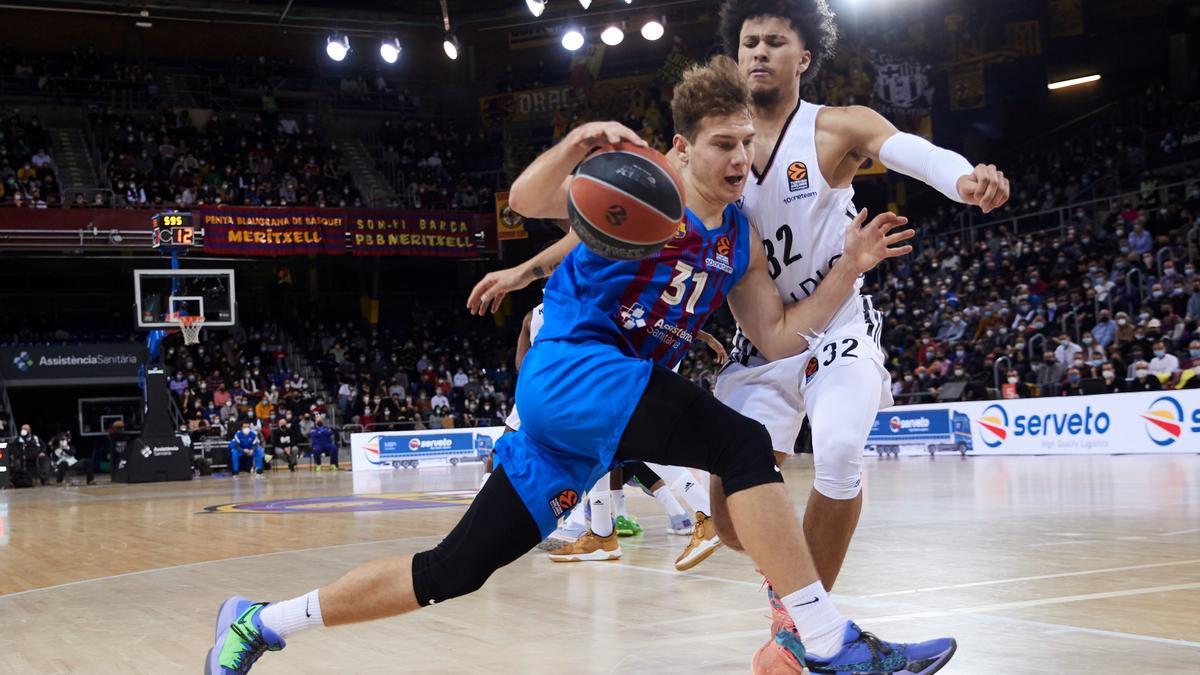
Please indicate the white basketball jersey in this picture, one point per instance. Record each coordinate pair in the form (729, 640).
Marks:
(536, 321)
(802, 222)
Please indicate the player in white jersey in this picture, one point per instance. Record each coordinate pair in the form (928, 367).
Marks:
(801, 201)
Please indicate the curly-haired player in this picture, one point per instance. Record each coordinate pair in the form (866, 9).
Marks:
(801, 200)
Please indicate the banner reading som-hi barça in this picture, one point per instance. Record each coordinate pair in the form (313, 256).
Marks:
(273, 232)
(450, 234)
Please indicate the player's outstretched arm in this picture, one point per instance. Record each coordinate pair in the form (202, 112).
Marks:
(780, 331)
(491, 289)
(865, 133)
(541, 189)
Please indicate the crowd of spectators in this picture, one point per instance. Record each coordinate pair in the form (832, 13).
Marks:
(439, 370)
(242, 379)
(431, 163)
(261, 159)
(1111, 305)
(27, 172)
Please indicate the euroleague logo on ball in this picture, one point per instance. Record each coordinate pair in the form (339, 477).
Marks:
(616, 215)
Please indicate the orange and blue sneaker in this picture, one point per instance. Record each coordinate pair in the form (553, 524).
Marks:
(864, 653)
(241, 638)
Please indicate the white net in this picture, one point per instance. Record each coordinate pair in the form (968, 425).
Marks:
(190, 327)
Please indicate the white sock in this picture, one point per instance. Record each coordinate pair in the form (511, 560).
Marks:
(619, 502)
(602, 521)
(820, 625)
(578, 516)
(293, 616)
(682, 480)
(668, 501)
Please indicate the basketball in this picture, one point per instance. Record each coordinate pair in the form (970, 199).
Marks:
(626, 202)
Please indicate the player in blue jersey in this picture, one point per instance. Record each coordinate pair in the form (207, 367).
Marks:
(593, 390)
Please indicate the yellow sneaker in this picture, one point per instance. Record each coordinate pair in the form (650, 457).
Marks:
(704, 543)
(589, 547)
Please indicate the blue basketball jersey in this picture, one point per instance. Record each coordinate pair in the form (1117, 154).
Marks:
(650, 308)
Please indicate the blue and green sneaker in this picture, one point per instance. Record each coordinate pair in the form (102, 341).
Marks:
(627, 527)
(864, 653)
(241, 638)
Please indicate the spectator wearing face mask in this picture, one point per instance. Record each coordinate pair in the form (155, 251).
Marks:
(1112, 383)
(1050, 375)
(1105, 330)
(245, 444)
(64, 460)
(1164, 365)
(1072, 386)
(323, 442)
(1125, 330)
(1066, 351)
(285, 444)
(1139, 239)
(1143, 380)
(1016, 388)
(34, 460)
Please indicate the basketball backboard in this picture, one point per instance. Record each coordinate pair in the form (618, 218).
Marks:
(161, 294)
(97, 415)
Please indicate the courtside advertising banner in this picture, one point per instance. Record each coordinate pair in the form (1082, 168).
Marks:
(389, 450)
(1135, 423)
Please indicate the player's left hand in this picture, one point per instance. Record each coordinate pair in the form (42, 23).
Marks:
(715, 345)
(985, 187)
(867, 246)
(490, 291)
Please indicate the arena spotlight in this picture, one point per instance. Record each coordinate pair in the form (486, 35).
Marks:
(585, 3)
(612, 36)
(536, 7)
(337, 46)
(1062, 84)
(652, 30)
(572, 39)
(389, 50)
(451, 46)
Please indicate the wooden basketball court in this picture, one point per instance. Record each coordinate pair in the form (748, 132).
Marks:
(1035, 564)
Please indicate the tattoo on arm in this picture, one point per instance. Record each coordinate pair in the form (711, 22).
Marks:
(543, 271)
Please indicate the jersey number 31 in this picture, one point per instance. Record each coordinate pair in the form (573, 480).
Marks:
(673, 294)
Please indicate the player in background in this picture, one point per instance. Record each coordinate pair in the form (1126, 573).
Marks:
(593, 394)
(801, 199)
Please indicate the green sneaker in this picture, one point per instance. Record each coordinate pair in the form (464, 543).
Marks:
(627, 527)
(241, 638)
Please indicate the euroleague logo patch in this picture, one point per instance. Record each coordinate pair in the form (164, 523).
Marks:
(616, 215)
(811, 367)
(565, 501)
(723, 246)
(797, 176)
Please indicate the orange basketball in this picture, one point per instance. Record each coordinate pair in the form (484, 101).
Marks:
(626, 202)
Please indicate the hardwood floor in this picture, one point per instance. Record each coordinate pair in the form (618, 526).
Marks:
(1035, 565)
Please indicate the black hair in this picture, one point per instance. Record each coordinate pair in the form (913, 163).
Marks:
(813, 20)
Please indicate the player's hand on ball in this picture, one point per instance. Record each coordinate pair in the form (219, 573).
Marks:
(985, 187)
(602, 134)
(867, 246)
(490, 291)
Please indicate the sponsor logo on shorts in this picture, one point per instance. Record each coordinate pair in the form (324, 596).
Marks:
(565, 501)
(797, 177)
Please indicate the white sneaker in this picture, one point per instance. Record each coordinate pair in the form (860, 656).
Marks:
(681, 525)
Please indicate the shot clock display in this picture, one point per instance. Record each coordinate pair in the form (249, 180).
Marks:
(173, 229)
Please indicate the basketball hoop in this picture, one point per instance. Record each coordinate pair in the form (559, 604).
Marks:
(190, 327)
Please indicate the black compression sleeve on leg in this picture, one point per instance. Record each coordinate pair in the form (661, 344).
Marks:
(644, 474)
(677, 423)
(496, 530)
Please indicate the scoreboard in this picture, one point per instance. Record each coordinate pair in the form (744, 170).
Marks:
(174, 229)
